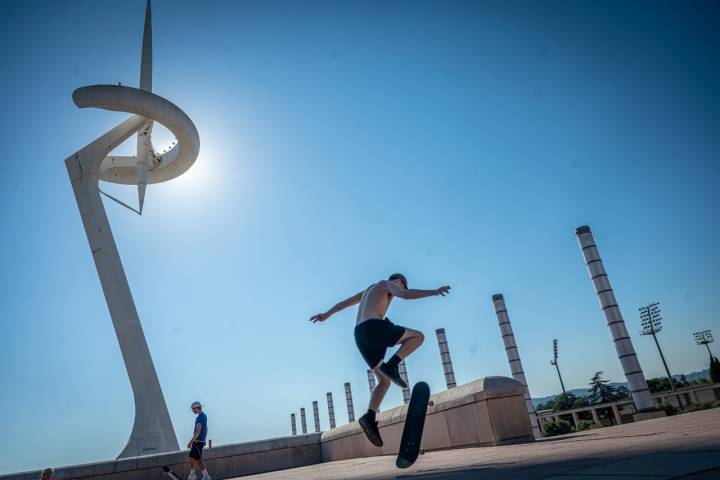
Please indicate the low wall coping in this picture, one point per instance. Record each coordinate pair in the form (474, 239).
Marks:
(480, 390)
(169, 458)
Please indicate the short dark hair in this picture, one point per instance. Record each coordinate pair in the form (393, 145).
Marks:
(400, 276)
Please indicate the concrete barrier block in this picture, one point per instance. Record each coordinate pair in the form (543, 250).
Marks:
(489, 411)
(465, 424)
(436, 433)
(510, 420)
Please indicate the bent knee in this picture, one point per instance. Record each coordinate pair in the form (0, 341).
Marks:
(383, 380)
(417, 335)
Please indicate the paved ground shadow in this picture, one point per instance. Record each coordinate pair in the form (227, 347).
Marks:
(458, 474)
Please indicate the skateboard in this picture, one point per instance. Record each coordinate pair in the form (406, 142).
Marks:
(414, 423)
(170, 473)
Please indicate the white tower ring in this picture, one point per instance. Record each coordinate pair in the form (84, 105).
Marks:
(152, 107)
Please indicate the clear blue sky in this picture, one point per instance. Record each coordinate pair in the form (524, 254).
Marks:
(456, 142)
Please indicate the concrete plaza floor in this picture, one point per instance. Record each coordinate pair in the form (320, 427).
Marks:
(683, 446)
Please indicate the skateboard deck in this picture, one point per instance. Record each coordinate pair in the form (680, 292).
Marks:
(414, 424)
(170, 473)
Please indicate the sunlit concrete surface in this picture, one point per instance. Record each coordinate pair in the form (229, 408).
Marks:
(683, 446)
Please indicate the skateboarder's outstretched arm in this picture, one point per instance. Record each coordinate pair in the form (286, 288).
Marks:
(413, 293)
(321, 317)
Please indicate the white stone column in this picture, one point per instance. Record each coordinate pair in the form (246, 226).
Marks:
(303, 421)
(316, 416)
(623, 345)
(616, 413)
(513, 356)
(402, 370)
(331, 409)
(445, 358)
(371, 381)
(596, 419)
(371, 384)
(293, 427)
(349, 400)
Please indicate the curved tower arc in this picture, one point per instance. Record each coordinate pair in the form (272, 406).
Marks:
(152, 430)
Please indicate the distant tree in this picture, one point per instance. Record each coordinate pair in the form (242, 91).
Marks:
(699, 381)
(565, 401)
(661, 384)
(600, 391)
(714, 369)
(582, 401)
(560, 427)
(586, 425)
(549, 405)
(621, 392)
(669, 408)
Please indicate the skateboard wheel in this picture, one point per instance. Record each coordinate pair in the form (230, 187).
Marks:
(431, 403)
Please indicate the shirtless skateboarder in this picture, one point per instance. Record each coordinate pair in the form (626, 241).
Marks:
(374, 334)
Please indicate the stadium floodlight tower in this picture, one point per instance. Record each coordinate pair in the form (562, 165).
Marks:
(651, 322)
(704, 338)
(152, 430)
(554, 362)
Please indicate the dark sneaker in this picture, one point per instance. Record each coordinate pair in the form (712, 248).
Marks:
(370, 427)
(394, 374)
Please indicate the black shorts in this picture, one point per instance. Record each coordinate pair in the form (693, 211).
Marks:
(196, 450)
(374, 336)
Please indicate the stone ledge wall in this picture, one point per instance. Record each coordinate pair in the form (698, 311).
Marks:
(489, 411)
(486, 412)
(223, 461)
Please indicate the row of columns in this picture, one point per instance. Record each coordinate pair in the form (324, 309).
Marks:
(615, 322)
(447, 370)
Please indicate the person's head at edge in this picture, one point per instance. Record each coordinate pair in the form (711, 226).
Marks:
(196, 407)
(399, 279)
(47, 474)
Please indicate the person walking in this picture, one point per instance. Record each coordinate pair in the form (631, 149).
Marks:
(197, 443)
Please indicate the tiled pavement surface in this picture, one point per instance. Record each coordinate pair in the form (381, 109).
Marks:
(683, 446)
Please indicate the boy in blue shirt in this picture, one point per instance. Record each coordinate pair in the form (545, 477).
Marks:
(197, 442)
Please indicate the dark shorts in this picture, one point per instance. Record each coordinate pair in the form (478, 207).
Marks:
(374, 336)
(196, 450)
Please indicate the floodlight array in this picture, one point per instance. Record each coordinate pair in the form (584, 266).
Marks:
(650, 319)
(703, 337)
